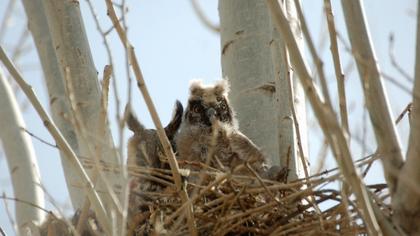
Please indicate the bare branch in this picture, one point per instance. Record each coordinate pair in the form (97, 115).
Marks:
(317, 60)
(394, 61)
(38, 138)
(375, 95)
(199, 12)
(326, 119)
(406, 200)
(61, 142)
(337, 66)
(20, 157)
(6, 18)
(155, 117)
(406, 110)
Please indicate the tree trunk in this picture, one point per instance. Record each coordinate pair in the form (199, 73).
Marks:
(406, 200)
(76, 65)
(38, 25)
(20, 156)
(253, 60)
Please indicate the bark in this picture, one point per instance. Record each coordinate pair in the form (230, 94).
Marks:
(407, 200)
(253, 61)
(38, 25)
(20, 156)
(376, 98)
(76, 65)
(327, 120)
(60, 141)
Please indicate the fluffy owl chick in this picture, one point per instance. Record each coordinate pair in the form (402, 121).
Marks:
(208, 114)
(144, 148)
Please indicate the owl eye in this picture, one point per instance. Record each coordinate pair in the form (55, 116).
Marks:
(196, 109)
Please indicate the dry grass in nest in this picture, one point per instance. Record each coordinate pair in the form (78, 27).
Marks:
(229, 204)
(225, 203)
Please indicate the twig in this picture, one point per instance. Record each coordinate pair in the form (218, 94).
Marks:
(337, 67)
(406, 110)
(364, 130)
(301, 155)
(61, 142)
(322, 156)
(155, 117)
(398, 84)
(59, 211)
(374, 92)
(193, 200)
(9, 214)
(325, 117)
(102, 122)
(20, 45)
(8, 13)
(110, 62)
(4, 197)
(39, 139)
(386, 76)
(82, 130)
(314, 54)
(2, 232)
(199, 12)
(255, 174)
(394, 62)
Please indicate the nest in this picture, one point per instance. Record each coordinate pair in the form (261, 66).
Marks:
(225, 203)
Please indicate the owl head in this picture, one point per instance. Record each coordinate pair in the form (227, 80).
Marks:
(207, 103)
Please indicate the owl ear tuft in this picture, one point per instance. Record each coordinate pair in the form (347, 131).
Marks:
(222, 87)
(196, 87)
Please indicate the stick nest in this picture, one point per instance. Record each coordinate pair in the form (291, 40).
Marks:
(225, 203)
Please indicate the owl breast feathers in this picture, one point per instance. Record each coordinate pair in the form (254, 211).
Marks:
(209, 124)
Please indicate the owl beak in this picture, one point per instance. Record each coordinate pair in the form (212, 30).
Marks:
(211, 114)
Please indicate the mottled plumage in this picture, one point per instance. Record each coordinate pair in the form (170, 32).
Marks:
(208, 113)
(145, 150)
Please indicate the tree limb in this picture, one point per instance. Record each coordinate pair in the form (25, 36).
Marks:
(61, 142)
(375, 95)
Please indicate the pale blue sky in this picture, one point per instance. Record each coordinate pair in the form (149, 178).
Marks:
(173, 47)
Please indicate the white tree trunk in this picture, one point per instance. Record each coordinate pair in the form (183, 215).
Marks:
(327, 120)
(253, 61)
(20, 156)
(38, 25)
(406, 199)
(72, 49)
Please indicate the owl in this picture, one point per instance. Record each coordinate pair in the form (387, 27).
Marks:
(209, 125)
(145, 150)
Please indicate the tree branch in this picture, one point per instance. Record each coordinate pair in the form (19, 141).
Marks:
(327, 120)
(155, 117)
(375, 95)
(406, 201)
(61, 142)
(20, 156)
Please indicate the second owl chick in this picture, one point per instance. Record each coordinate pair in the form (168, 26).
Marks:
(144, 148)
(208, 109)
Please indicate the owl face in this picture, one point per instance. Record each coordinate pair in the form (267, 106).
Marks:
(208, 103)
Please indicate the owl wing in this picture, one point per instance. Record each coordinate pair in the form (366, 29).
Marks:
(246, 149)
